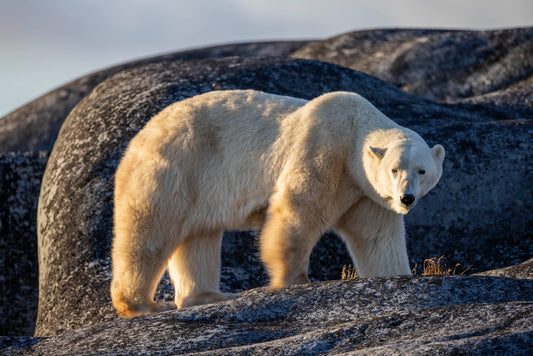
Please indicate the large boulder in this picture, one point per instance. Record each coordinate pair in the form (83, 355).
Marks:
(493, 67)
(379, 316)
(475, 211)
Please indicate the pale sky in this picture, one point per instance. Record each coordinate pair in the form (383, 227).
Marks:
(47, 43)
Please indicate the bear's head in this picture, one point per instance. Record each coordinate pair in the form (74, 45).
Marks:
(403, 172)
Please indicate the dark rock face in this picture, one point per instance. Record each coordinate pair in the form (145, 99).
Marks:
(20, 181)
(494, 67)
(35, 126)
(403, 315)
(480, 213)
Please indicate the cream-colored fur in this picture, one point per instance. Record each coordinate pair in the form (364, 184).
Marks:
(235, 159)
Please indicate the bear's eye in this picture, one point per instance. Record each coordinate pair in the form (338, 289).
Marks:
(421, 171)
(394, 171)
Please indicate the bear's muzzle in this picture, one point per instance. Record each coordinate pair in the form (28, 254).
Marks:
(407, 199)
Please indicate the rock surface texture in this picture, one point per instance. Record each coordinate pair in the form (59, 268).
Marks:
(383, 316)
(469, 91)
(20, 181)
(493, 67)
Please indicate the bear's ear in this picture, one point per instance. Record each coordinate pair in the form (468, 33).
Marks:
(377, 153)
(438, 153)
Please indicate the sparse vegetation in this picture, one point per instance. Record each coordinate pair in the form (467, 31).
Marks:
(348, 272)
(437, 266)
(432, 267)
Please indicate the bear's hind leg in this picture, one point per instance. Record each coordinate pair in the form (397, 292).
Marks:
(286, 247)
(195, 271)
(135, 278)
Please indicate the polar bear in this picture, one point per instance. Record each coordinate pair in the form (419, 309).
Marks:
(234, 159)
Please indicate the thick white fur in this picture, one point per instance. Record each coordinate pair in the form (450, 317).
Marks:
(234, 159)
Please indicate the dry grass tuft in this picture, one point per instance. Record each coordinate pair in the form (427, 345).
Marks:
(437, 267)
(432, 267)
(348, 272)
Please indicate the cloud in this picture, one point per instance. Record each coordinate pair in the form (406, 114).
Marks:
(480, 14)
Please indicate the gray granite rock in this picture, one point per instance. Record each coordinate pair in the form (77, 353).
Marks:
(35, 126)
(524, 271)
(20, 181)
(476, 204)
(494, 67)
(402, 315)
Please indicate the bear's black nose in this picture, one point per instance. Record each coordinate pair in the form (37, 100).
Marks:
(408, 199)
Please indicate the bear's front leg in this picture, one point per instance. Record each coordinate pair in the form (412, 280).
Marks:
(286, 242)
(375, 238)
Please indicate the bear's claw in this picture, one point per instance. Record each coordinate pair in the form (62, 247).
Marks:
(132, 310)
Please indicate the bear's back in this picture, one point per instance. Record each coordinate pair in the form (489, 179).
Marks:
(239, 114)
(221, 119)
